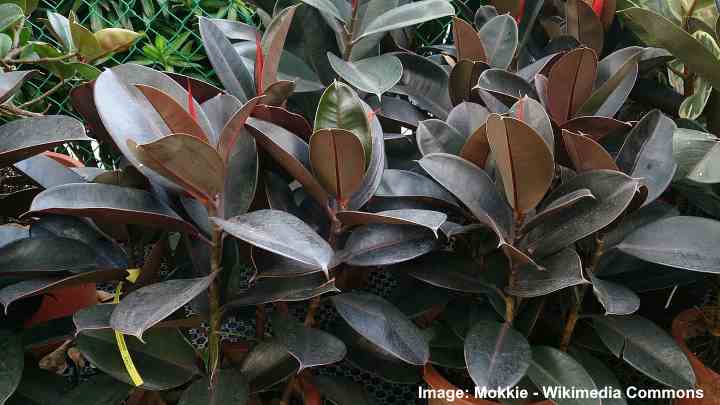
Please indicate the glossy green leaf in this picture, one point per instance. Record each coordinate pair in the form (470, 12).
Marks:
(696, 154)
(100, 390)
(60, 27)
(280, 233)
(552, 368)
(340, 107)
(9, 15)
(499, 37)
(166, 360)
(647, 348)
(408, 15)
(381, 323)
(658, 31)
(692, 107)
(497, 355)
(230, 387)
(85, 42)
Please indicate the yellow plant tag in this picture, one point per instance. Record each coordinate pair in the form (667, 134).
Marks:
(133, 275)
(120, 338)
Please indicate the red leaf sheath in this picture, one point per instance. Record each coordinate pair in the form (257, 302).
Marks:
(259, 65)
(520, 11)
(598, 6)
(191, 104)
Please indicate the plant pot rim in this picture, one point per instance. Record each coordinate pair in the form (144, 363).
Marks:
(437, 381)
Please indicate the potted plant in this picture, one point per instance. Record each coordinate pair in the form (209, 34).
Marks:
(508, 212)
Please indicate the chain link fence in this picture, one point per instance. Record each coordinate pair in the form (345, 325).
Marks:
(171, 40)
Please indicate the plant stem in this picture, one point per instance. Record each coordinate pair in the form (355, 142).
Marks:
(574, 314)
(335, 227)
(350, 34)
(55, 88)
(41, 60)
(214, 296)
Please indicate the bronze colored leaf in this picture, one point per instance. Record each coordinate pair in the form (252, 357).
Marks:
(523, 159)
(273, 42)
(586, 154)
(233, 128)
(338, 160)
(570, 83)
(188, 161)
(467, 41)
(290, 152)
(476, 148)
(583, 24)
(463, 78)
(177, 119)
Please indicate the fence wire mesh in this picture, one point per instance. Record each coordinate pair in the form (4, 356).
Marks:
(171, 40)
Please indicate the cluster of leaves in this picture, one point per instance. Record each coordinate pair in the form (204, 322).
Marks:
(75, 57)
(491, 177)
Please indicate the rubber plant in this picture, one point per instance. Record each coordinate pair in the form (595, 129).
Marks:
(510, 212)
(186, 185)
